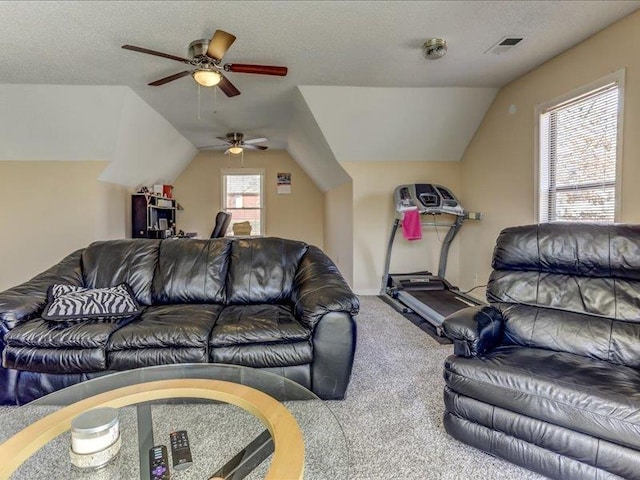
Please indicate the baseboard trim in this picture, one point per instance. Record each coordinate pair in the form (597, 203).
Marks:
(367, 291)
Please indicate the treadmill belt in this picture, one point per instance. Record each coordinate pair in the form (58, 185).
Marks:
(445, 302)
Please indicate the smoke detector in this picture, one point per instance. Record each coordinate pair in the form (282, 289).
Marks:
(435, 48)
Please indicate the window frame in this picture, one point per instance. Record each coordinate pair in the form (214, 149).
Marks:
(245, 171)
(616, 77)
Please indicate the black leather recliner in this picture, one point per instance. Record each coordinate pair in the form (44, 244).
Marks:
(548, 375)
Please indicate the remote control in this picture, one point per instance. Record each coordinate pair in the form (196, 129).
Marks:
(180, 451)
(159, 463)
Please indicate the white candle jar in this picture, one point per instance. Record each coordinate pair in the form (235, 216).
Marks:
(95, 436)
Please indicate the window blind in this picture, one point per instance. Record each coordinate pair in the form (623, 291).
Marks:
(578, 141)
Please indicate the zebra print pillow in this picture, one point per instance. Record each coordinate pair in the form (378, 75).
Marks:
(68, 302)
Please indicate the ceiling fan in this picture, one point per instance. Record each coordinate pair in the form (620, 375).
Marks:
(206, 56)
(235, 143)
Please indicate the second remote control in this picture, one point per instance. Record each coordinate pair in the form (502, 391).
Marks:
(180, 450)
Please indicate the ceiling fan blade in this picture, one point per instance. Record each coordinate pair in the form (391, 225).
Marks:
(260, 69)
(157, 54)
(226, 145)
(170, 78)
(254, 147)
(228, 88)
(219, 44)
(255, 140)
(226, 152)
(224, 139)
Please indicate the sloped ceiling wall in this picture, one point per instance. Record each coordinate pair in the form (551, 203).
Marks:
(309, 147)
(370, 123)
(71, 122)
(329, 125)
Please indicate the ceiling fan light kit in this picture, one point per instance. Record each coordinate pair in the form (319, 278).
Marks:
(207, 78)
(435, 48)
(235, 150)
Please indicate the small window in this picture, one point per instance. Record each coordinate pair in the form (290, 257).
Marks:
(243, 198)
(578, 155)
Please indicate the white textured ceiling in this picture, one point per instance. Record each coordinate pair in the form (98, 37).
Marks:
(323, 43)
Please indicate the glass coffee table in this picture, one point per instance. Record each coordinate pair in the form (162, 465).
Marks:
(241, 423)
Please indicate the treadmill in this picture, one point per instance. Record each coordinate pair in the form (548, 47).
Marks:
(423, 293)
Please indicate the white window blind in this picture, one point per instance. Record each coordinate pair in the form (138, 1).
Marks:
(578, 157)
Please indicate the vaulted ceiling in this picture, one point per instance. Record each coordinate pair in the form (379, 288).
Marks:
(358, 82)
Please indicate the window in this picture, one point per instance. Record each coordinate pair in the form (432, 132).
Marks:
(243, 198)
(578, 154)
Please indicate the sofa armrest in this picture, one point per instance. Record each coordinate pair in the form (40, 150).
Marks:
(319, 288)
(334, 346)
(27, 300)
(474, 330)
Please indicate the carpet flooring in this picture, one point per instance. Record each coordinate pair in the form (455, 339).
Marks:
(392, 416)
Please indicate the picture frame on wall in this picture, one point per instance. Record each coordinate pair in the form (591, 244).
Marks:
(284, 183)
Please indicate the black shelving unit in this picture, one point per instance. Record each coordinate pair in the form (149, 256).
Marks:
(152, 216)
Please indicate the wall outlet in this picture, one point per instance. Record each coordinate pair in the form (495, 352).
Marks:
(475, 279)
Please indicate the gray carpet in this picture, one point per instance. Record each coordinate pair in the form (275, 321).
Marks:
(392, 416)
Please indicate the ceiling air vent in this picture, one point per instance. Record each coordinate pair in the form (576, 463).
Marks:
(506, 44)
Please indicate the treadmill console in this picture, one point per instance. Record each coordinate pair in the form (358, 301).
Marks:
(427, 198)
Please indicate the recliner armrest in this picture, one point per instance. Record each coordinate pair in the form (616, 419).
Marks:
(474, 330)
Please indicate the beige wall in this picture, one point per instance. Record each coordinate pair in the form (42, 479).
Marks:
(338, 228)
(52, 209)
(298, 216)
(373, 214)
(498, 171)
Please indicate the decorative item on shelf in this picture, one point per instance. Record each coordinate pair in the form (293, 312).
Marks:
(95, 438)
(163, 190)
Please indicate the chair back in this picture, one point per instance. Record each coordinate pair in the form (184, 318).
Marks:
(222, 223)
(571, 287)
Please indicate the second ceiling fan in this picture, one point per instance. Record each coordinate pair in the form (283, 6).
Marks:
(235, 143)
(206, 56)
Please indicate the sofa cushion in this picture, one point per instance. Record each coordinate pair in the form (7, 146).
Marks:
(69, 302)
(583, 394)
(46, 334)
(588, 335)
(55, 360)
(191, 271)
(261, 270)
(260, 336)
(164, 334)
(580, 248)
(112, 262)
(59, 347)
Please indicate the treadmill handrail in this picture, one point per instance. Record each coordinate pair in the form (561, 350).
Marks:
(453, 227)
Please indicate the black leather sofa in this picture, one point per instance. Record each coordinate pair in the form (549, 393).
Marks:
(269, 303)
(548, 375)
